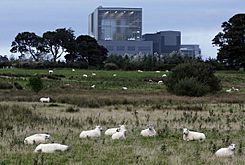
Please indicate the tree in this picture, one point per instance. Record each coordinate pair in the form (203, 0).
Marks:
(86, 49)
(57, 41)
(29, 43)
(231, 42)
(36, 83)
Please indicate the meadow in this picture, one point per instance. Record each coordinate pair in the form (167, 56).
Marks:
(78, 107)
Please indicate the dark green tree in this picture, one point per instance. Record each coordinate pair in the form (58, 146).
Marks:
(36, 83)
(57, 41)
(231, 42)
(27, 43)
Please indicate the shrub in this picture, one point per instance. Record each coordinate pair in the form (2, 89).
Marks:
(5, 85)
(111, 66)
(36, 83)
(18, 86)
(193, 79)
(72, 110)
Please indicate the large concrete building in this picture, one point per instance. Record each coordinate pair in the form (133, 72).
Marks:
(164, 42)
(119, 30)
(190, 50)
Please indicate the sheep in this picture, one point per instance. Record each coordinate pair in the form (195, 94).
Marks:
(114, 75)
(50, 148)
(50, 71)
(140, 71)
(164, 75)
(92, 86)
(73, 70)
(93, 74)
(228, 90)
(124, 88)
(166, 71)
(120, 134)
(37, 139)
(191, 135)
(157, 71)
(85, 75)
(235, 89)
(91, 133)
(149, 132)
(150, 80)
(226, 152)
(45, 99)
(160, 82)
(111, 131)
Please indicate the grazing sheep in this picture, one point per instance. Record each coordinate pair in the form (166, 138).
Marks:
(226, 152)
(124, 88)
(45, 99)
(228, 90)
(93, 86)
(120, 134)
(160, 82)
(37, 139)
(111, 131)
(91, 133)
(149, 132)
(140, 71)
(158, 71)
(235, 89)
(50, 148)
(73, 70)
(164, 75)
(150, 80)
(50, 71)
(166, 71)
(93, 74)
(114, 75)
(84, 75)
(191, 135)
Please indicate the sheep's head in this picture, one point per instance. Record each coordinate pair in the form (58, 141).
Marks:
(232, 147)
(99, 127)
(122, 127)
(185, 131)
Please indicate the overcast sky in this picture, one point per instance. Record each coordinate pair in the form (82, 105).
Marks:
(198, 20)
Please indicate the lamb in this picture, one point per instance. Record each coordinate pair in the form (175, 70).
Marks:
(91, 133)
(226, 152)
(191, 135)
(120, 134)
(50, 71)
(45, 99)
(149, 132)
(111, 131)
(50, 148)
(37, 139)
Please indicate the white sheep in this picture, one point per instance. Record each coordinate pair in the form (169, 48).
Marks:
(37, 139)
(228, 90)
(160, 82)
(92, 86)
(73, 70)
(226, 152)
(93, 74)
(114, 75)
(235, 89)
(140, 71)
(150, 80)
(91, 133)
(149, 132)
(124, 88)
(157, 71)
(45, 99)
(166, 71)
(111, 131)
(50, 148)
(191, 135)
(164, 75)
(85, 75)
(50, 71)
(120, 134)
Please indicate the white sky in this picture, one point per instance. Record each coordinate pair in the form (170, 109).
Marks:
(198, 20)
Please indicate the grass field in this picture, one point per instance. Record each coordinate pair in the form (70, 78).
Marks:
(219, 116)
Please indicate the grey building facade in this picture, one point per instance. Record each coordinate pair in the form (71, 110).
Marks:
(164, 42)
(119, 30)
(190, 50)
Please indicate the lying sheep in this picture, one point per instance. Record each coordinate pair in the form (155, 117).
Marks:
(114, 75)
(191, 135)
(85, 75)
(164, 75)
(91, 133)
(149, 132)
(140, 71)
(124, 88)
(93, 74)
(92, 86)
(45, 99)
(37, 139)
(120, 134)
(50, 71)
(73, 70)
(160, 82)
(226, 152)
(50, 148)
(111, 131)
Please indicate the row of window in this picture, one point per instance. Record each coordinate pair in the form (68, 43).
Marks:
(128, 48)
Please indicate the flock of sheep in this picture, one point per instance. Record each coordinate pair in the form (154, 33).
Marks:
(116, 134)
